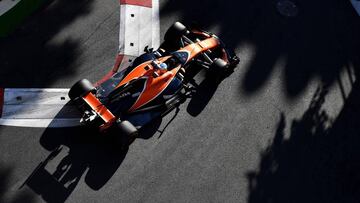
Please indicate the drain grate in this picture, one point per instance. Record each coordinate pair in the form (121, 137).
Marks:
(287, 8)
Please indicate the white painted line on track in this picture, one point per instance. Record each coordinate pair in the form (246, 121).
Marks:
(122, 31)
(18, 96)
(40, 123)
(37, 108)
(138, 32)
(139, 27)
(155, 24)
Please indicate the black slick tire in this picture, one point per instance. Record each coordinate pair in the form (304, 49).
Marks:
(81, 88)
(175, 32)
(218, 66)
(126, 128)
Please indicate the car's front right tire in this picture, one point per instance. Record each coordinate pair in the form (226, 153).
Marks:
(175, 32)
(218, 66)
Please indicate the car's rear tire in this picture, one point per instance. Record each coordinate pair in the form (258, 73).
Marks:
(81, 88)
(175, 32)
(127, 129)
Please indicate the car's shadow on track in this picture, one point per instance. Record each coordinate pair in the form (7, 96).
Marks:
(80, 153)
(202, 95)
(205, 85)
(74, 152)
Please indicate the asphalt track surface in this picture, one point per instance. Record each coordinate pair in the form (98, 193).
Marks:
(282, 128)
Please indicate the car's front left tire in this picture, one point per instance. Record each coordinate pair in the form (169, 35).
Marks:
(81, 88)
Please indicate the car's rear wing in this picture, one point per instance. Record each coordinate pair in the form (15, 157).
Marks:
(104, 113)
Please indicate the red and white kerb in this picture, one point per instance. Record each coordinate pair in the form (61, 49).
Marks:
(139, 27)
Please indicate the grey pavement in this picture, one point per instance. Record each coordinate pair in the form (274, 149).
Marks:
(282, 128)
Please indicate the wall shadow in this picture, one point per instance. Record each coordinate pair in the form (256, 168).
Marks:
(29, 59)
(27, 52)
(318, 162)
(317, 43)
(5, 175)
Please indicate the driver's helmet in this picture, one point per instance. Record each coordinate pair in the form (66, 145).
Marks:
(163, 67)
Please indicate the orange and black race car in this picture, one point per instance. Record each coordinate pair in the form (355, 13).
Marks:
(155, 83)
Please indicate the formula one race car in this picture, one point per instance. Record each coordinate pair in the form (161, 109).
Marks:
(155, 83)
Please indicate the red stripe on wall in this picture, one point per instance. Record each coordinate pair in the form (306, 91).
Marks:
(1, 100)
(145, 3)
(118, 60)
